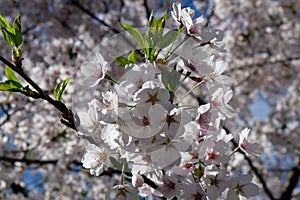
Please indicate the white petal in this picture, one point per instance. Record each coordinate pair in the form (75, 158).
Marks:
(88, 69)
(218, 94)
(93, 114)
(220, 67)
(85, 121)
(224, 80)
(232, 195)
(204, 108)
(245, 179)
(250, 190)
(228, 96)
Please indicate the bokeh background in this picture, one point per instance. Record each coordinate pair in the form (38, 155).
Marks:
(41, 159)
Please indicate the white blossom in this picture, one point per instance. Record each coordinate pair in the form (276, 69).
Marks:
(242, 186)
(88, 123)
(94, 71)
(96, 159)
(246, 145)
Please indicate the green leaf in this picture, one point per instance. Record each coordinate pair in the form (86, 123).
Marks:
(134, 33)
(168, 38)
(11, 34)
(17, 23)
(18, 34)
(59, 89)
(171, 79)
(4, 23)
(153, 36)
(150, 43)
(16, 55)
(10, 74)
(8, 36)
(160, 25)
(152, 21)
(11, 86)
(161, 22)
(122, 61)
(131, 57)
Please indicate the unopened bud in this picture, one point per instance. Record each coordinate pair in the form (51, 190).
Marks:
(16, 56)
(137, 180)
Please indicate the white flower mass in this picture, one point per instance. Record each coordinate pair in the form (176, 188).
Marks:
(143, 122)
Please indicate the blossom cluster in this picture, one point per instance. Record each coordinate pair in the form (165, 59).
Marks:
(143, 124)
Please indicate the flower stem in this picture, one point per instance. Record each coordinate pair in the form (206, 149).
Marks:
(191, 90)
(234, 151)
(123, 173)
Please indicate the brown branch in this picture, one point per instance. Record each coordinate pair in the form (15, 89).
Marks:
(263, 63)
(148, 12)
(5, 111)
(108, 172)
(92, 15)
(292, 180)
(27, 161)
(67, 114)
(8, 116)
(111, 171)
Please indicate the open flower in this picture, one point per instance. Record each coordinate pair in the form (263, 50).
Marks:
(216, 181)
(242, 186)
(217, 154)
(182, 16)
(142, 124)
(96, 159)
(247, 146)
(193, 191)
(125, 192)
(88, 121)
(94, 71)
(170, 187)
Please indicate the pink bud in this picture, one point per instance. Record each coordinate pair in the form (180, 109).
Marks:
(137, 180)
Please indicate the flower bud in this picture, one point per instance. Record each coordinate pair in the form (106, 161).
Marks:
(137, 180)
(16, 56)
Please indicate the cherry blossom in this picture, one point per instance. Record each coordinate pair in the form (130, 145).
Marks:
(121, 192)
(242, 186)
(137, 180)
(170, 186)
(216, 181)
(261, 39)
(247, 146)
(193, 191)
(96, 159)
(94, 71)
(89, 121)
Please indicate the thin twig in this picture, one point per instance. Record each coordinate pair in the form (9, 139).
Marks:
(148, 12)
(108, 172)
(67, 114)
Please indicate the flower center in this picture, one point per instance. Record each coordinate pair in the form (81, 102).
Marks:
(145, 121)
(101, 157)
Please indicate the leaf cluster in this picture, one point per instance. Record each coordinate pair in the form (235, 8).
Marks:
(153, 41)
(12, 34)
